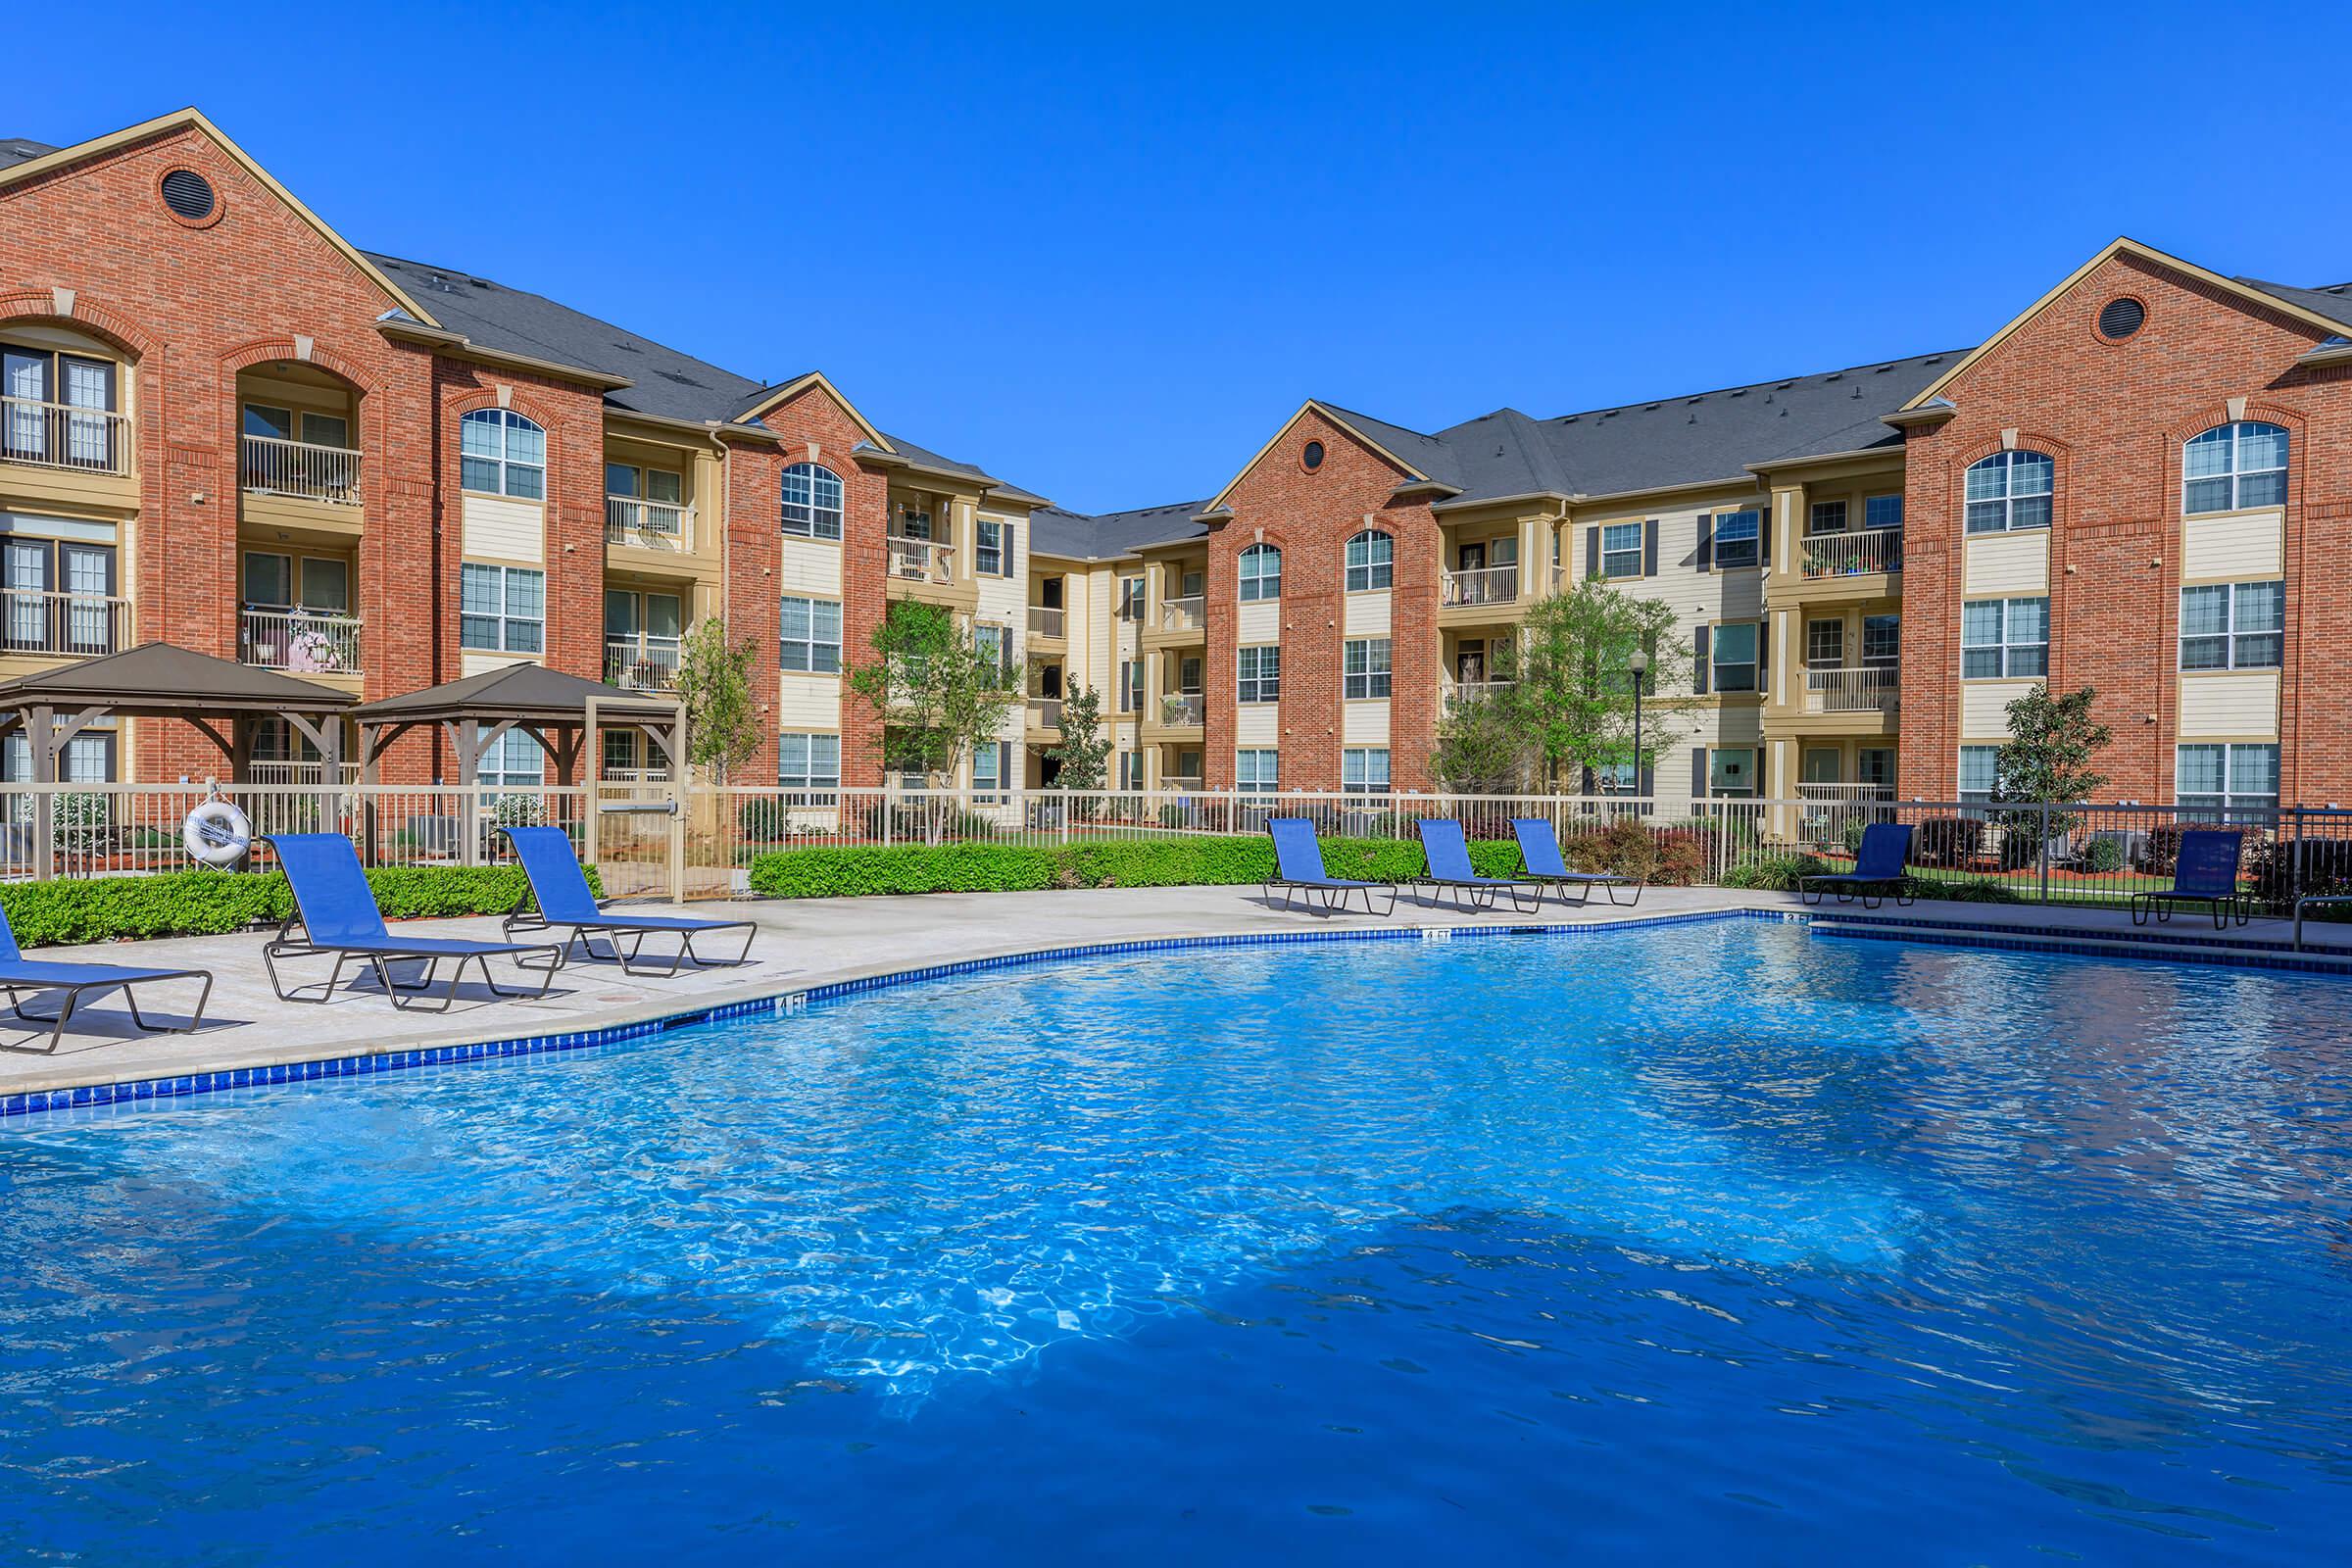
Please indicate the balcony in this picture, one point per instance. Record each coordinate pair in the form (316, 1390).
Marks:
(55, 435)
(272, 465)
(648, 524)
(1853, 688)
(1183, 710)
(302, 642)
(1851, 555)
(33, 621)
(921, 561)
(642, 662)
(1475, 691)
(1044, 712)
(1187, 613)
(1182, 781)
(1482, 585)
(1044, 622)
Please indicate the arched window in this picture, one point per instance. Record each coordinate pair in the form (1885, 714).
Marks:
(503, 454)
(1261, 572)
(2010, 490)
(2231, 466)
(1371, 558)
(812, 502)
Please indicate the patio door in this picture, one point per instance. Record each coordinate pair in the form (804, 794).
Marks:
(27, 595)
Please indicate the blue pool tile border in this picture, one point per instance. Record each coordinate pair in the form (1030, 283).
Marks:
(33, 1102)
(2116, 947)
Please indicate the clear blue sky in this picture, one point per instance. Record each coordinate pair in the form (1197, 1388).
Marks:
(1106, 253)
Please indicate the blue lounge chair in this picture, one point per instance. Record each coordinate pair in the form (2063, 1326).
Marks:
(1877, 866)
(561, 890)
(1447, 853)
(1541, 862)
(1298, 869)
(336, 912)
(2206, 873)
(20, 975)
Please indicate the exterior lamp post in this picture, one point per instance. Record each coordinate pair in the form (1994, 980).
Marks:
(1639, 664)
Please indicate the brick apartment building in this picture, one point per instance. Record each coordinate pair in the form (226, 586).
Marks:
(227, 428)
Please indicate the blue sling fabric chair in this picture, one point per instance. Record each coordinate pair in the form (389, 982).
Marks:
(1446, 851)
(1878, 868)
(20, 976)
(565, 903)
(1541, 862)
(2205, 873)
(1298, 869)
(336, 912)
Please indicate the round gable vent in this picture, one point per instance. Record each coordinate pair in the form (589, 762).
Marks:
(1312, 456)
(2120, 319)
(189, 195)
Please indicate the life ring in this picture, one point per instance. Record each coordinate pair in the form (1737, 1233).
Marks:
(217, 833)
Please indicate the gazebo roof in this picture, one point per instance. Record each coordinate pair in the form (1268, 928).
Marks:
(159, 679)
(531, 694)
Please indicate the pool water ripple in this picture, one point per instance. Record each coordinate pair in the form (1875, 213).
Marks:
(1707, 1239)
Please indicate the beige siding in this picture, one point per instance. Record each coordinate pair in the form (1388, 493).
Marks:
(1256, 724)
(1259, 622)
(498, 530)
(473, 664)
(809, 570)
(1736, 725)
(2240, 545)
(2230, 705)
(2008, 562)
(810, 703)
(1985, 707)
(1364, 723)
(1367, 615)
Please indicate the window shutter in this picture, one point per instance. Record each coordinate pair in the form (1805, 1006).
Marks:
(1764, 660)
(1591, 552)
(1699, 643)
(1706, 541)
(1648, 784)
(1698, 772)
(1004, 778)
(1764, 535)
(1649, 548)
(1757, 788)
(1005, 550)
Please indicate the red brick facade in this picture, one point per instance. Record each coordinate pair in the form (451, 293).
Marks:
(2113, 416)
(1310, 515)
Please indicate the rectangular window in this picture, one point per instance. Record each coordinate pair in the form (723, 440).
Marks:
(1733, 649)
(1979, 771)
(2234, 626)
(1255, 770)
(2229, 777)
(1621, 550)
(501, 610)
(2004, 638)
(810, 764)
(1131, 770)
(1875, 764)
(1131, 599)
(1825, 644)
(1882, 640)
(1883, 512)
(1260, 669)
(988, 776)
(809, 638)
(1365, 672)
(1364, 770)
(988, 547)
(514, 759)
(1739, 538)
(1828, 517)
(1731, 773)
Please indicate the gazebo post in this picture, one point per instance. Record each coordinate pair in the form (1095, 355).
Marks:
(468, 736)
(39, 724)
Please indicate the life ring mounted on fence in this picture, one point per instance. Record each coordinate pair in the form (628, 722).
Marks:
(216, 834)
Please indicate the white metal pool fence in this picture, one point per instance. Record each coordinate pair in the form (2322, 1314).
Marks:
(650, 837)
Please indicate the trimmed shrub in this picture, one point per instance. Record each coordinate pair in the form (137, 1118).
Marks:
(215, 902)
(1949, 841)
(2103, 854)
(1776, 873)
(1203, 862)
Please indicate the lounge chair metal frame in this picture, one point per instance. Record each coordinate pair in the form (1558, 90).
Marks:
(75, 992)
(381, 954)
(1473, 894)
(1563, 879)
(2221, 905)
(2314, 900)
(1334, 889)
(1852, 885)
(529, 915)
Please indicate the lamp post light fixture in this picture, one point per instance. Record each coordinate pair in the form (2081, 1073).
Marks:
(1638, 662)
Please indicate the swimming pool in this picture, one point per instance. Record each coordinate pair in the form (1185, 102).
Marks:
(1704, 1239)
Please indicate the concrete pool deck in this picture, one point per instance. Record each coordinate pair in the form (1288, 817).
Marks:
(802, 944)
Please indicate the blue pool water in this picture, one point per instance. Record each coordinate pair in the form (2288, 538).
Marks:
(1707, 1241)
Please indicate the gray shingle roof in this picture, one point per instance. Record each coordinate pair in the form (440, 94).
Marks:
(15, 150)
(1108, 535)
(2332, 300)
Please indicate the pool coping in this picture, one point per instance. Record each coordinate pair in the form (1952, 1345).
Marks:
(660, 1017)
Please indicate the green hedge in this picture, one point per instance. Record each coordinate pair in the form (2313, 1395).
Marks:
(212, 903)
(834, 873)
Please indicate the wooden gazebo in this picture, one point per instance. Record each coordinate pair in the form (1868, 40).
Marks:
(158, 681)
(556, 708)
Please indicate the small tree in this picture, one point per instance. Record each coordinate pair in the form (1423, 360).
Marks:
(1085, 750)
(1572, 699)
(1480, 749)
(936, 690)
(715, 681)
(2047, 754)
